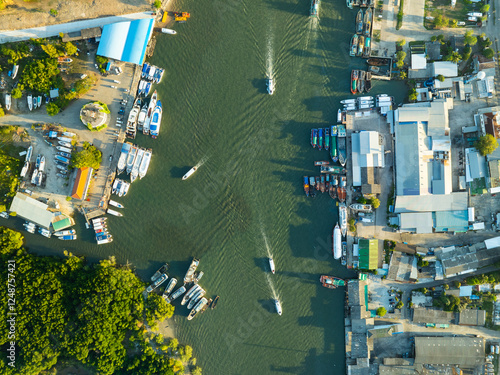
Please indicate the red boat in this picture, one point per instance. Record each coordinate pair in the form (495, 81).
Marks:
(331, 282)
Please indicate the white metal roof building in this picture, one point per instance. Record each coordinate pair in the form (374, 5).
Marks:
(367, 151)
(32, 210)
(475, 165)
(445, 68)
(418, 61)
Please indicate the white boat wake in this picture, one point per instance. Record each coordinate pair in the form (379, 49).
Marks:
(271, 287)
(269, 57)
(202, 161)
(268, 249)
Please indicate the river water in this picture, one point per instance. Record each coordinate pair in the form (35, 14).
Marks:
(246, 201)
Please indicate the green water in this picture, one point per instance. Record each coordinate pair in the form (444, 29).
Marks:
(246, 201)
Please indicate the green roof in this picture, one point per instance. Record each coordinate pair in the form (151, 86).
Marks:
(368, 254)
(62, 224)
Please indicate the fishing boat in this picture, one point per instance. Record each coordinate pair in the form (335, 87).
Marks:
(169, 288)
(314, 137)
(377, 61)
(199, 306)
(41, 165)
(190, 293)
(361, 207)
(63, 154)
(314, 8)
(343, 218)
(15, 69)
(34, 176)
(333, 148)
(168, 31)
(306, 185)
(68, 232)
(162, 270)
(39, 101)
(157, 283)
(214, 303)
(131, 129)
(332, 191)
(335, 169)
(116, 204)
(37, 162)
(322, 185)
(349, 3)
(44, 232)
(29, 152)
(368, 82)
(271, 265)
(312, 183)
(143, 168)
(189, 173)
(367, 22)
(320, 163)
(359, 22)
(344, 253)
(145, 68)
(194, 300)
(154, 126)
(354, 45)
(113, 212)
(151, 107)
(368, 47)
(337, 242)
(331, 282)
(131, 158)
(339, 115)
(192, 268)
(35, 103)
(277, 304)
(142, 117)
(30, 227)
(354, 81)
(65, 144)
(327, 139)
(64, 149)
(176, 294)
(62, 159)
(361, 81)
(341, 144)
(8, 102)
(68, 238)
(198, 277)
(30, 102)
(341, 193)
(361, 45)
(270, 86)
(122, 161)
(104, 240)
(25, 169)
(320, 138)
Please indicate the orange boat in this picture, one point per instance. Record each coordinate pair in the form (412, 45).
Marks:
(181, 16)
(341, 193)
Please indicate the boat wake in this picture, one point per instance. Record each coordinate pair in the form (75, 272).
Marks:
(202, 161)
(269, 58)
(271, 287)
(268, 249)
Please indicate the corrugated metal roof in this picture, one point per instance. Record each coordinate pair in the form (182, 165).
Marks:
(81, 184)
(476, 164)
(368, 254)
(451, 221)
(126, 41)
(456, 201)
(419, 222)
(465, 351)
(445, 68)
(32, 210)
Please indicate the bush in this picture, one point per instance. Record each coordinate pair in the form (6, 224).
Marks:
(157, 4)
(362, 200)
(17, 93)
(486, 144)
(68, 198)
(488, 53)
(470, 39)
(90, 156)
(440, 77)
(52, 109)
(485, 8)
(401, 43)
(381, 311)
(440, 21)
(53, 12)
(2, 113)
(400, 305)
(375, 202)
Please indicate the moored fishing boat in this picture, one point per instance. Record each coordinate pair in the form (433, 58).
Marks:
(361, 207)
(277, 304)
(354, 45)
(154, 126)
(312, 183)
(65, 144)
(354, 81)
(41, 166)
(30, 102)
(105, 239)
(64, 149)
(199, 306)
(361, 81)
(359, 22)
(214, 303)
(122, 161)
(322, 184)
(116, 204)
(8, 102)
(343, 218)
(367, 22)
(131, 158)
(368, 47)
(349, 3)
(271, 265)
(131, 129)
(169, 288)
(39, 101)
(151, 107)
(314, 137)
(143, 168)
(68, 232)
(44, 232)
(29, 152)
(142, 117)
(361, 45)
(68, 237)
(306, 185)
(331, 282)
(190, 272)
(190, 293)
(189, 173)
(194, 300)
(335, 169)
(320, 138)
(314, 8)
(341, 144)
(337, 242)
(327, 139)
(113, 212)
(368, 82)
(320, 163)
(157, 283)
(333, 147)
(198, 277)
(162, 270)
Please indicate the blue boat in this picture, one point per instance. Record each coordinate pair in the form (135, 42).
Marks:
(62, 159)
(68, 237)
(145, 68)
(320, 140)
(154, 126)
(314, 137)
(147, 89)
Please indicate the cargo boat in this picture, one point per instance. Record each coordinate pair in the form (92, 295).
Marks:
(337, 242)
(333, 148)
(320, 139)
(192, 268)
(331, 282)
(359, 22)
(327, 139)
(306, 185)
(335, 169)
(314, 8)
(361, 81)
(163, 269)
(314, 137)
(354, 45)
(343, 218)
(341, 144)
(354, 81)
(361, 207)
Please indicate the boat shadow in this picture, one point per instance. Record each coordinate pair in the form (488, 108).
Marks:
(262, 263)
(268, 305)
(260, 85)
(178, 172)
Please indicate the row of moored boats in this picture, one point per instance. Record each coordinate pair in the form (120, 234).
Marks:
(145, 117)
(360, 3)
(333, 184)
(134, 160)
(382, 101)
(361, 40)
(333, 139)
(102, 235)
(65, 235)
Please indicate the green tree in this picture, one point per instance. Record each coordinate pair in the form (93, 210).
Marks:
(486, 144)
(453, 23)
(446, 286)
(400, 56)
(196, 370)
(157, 4)
(51, 50)
(440, 21)
(400, 305)
(470, 39)
(458, 284)
(402, 75)
(454, 56)
(90, 156)
(158, 308)
(52, 109)
(2, 113)
(488, 53)
(362, 200)
(40, 75)
(401, 43)
(485, 8)
(17, 93)
(440, 78)
(381, 311)
(375, 202)
(70, 48)
(466, 53)
(433, 38)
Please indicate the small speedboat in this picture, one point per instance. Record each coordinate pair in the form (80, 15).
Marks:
(189, 173)
(168, 31)
(7, 102)
(116, 204)
(270, 86)
(30, 102)
(271, 265)
(278, 306)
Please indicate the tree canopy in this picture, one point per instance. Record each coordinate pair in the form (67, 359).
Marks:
(52, 109)
(470, 39)
(40, 75)
(488, 53)
(90, 156)
(486, 144)
(381, 311)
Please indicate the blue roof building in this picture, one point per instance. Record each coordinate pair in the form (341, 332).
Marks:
(126, 41)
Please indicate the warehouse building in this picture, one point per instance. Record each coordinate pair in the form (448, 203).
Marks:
(367, 156)
(466, 352)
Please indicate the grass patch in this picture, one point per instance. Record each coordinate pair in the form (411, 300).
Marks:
(478, 186)
(97, 129)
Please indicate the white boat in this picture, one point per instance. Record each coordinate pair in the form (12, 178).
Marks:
(146, 159)
(7, 102)
(29, 153)
(337, 242)
(30, 102)
(68, 232)
(64, 139)
(39, 178)
(106, 239)
(34, 176)
(154, 125)
(65, 144)
(116, 204)
(135, 169)
(271, 265)
(339, 116)
(157, 283)
(270, 86)
(190, 272)
(278, 306)
(142, 117)
(25, 169)
(121, 189)
(131, 158)
(198, 277)
(30, 227)
(361, 207)
(122, 161)
(69, 134)
(348, 101)
(161, 75)
(42, 164)
(14, 71)
(196, 298)
(365, 98)
(190, 293)
(176, 294)
(151, 107)
(125, 188)
(64, 149)
(44, 232)
(343, 218)
(199, 307)
(169, 288)
(168, 31)
(151, 74)
(35, 103)
(113, 212)
(189, 173)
